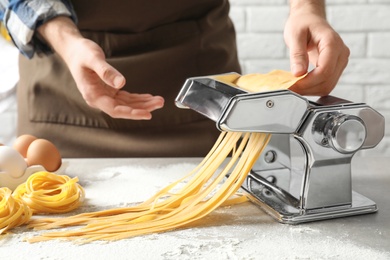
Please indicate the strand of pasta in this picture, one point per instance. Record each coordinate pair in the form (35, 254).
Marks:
(152, 205)
(190, 206)
(146, 205)
(13, 212)
(197, 209)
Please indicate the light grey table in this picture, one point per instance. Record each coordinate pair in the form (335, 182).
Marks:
(238, 232)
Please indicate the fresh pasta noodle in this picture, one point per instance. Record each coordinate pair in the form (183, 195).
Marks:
(194, 201)
(46, 192)
(13, 212)
(211, 184)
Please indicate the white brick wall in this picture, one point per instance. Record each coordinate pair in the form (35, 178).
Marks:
(363, 24)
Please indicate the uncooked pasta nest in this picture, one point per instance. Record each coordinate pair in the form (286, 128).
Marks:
(13, 212)
(43, 192)
(46, 192)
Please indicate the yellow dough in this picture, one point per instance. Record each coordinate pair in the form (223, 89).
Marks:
(274, 80)
(46, 192)
(13, 212)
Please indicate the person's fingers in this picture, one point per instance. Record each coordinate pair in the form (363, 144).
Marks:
(316, 84)
(331, 61)
(107, 73)
(109, 106)
(149, 105)
(100, 84)
(128, 106)
(140, 101)
(125, 112)
(110, 75)
(299, 61)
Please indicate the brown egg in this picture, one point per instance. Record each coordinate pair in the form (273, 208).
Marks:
(43, 152)
(22, 143)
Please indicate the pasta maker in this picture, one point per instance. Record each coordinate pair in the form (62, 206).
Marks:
(304, 174)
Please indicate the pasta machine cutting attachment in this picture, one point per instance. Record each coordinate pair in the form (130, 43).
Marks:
(305, 172)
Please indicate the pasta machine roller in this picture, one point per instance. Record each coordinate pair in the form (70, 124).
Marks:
(304, 174)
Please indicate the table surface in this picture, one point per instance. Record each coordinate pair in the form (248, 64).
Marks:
(241, 231)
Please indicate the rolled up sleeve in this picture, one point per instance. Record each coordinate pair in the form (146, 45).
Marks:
(23, 17)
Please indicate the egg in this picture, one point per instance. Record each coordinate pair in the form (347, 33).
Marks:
(43, 152)
(11, 162)
(22, 143)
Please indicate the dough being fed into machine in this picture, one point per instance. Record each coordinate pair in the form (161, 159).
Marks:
(257, 82)
(275, 80)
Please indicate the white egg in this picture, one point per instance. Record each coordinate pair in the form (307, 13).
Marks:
(11, 162)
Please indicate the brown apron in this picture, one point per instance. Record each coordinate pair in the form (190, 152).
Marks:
(156, 45)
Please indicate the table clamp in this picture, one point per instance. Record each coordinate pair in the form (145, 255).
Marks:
(305, 172)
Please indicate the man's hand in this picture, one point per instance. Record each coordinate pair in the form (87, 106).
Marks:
(98, 82)
(310, 38)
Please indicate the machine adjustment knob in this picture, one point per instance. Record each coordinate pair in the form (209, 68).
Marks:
(344, 133)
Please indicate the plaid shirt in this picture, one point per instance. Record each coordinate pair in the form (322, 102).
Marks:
(23, 17)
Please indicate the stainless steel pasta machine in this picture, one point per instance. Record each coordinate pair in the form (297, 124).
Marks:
(305, 172)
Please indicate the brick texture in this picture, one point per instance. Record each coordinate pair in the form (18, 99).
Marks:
(364, 26)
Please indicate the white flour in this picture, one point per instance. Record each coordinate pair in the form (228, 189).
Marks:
(237, 232)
